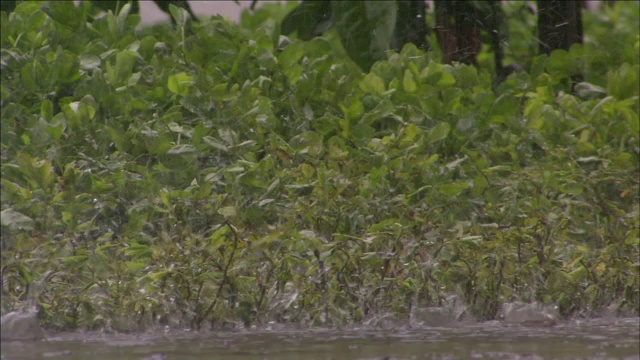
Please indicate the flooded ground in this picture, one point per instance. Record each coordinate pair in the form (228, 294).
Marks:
(590, 339)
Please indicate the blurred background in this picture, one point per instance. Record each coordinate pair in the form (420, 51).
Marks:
(151, 13)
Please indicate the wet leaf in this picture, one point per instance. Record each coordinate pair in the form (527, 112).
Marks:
(15, 220)
(438, 133)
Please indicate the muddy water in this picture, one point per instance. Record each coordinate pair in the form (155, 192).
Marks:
(592, 339)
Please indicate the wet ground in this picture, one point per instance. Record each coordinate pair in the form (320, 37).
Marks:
(589, 339)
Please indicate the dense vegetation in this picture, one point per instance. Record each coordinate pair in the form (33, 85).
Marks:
(223, 172)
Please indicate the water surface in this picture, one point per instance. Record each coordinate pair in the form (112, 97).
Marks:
(590, 339)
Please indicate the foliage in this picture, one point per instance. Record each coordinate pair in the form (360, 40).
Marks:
(366, 29)
(236, 174)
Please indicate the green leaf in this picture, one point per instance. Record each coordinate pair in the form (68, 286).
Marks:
(228, 212)
(211, 141)
(373, 84)
(74, 260)
(290, 56)
(365, 29)
(471, 242)
(24, 8)
(432, 159)
(415, 195)
(65, 68)
(446, 80)
(325, 125)
(179, 15)
(15, 220)
(307, 19)
(89, 62)
(222, 92)
(46, 110)
(137, 250)
(180, 83)
(587, 91)
(438, 133)
(558, 65)
(409, 82)
(266, 59)
(136, 265)
(87, 108)
(354, 111)
(65, 14)
(32, 75)
(288, 61)
(622, 83)
(454, 189)
(120, 73)
(436, 75)
(55, 128)
(182, 149)
(362, 133)
(217, 238)
(115, 6)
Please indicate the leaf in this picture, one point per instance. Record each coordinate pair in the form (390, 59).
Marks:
(307, 19)
(307, 170)
(32, 75)
(227, 211)
(65, 68)
(180, 83)
(182, 149)
(446, 80)
(471, 242)
(354, 111)
(264, 202)
(217, 238)
(362, 133)
(454, 189)
(15, 220)
(55, 128)
(74, 260)
(414, 195)
(120, 75)
(587, 91)
(409, 82)
(288, 61)
(290, 56)
(438, 133)
(179, 14)
(222, 92)
(435, 75)
(433, 158)
(211, 141)
(266, 59)
(137, 250)
(325, 125)
(64, 13)
(373, 84)
(46, 110)
(365, 29)
(136, 265)
(87, 108)
(622, 83)
(558, 65)
(301, 190)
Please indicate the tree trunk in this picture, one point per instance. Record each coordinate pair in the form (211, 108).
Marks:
(410, 25)
(459, 25)
(559, 24)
